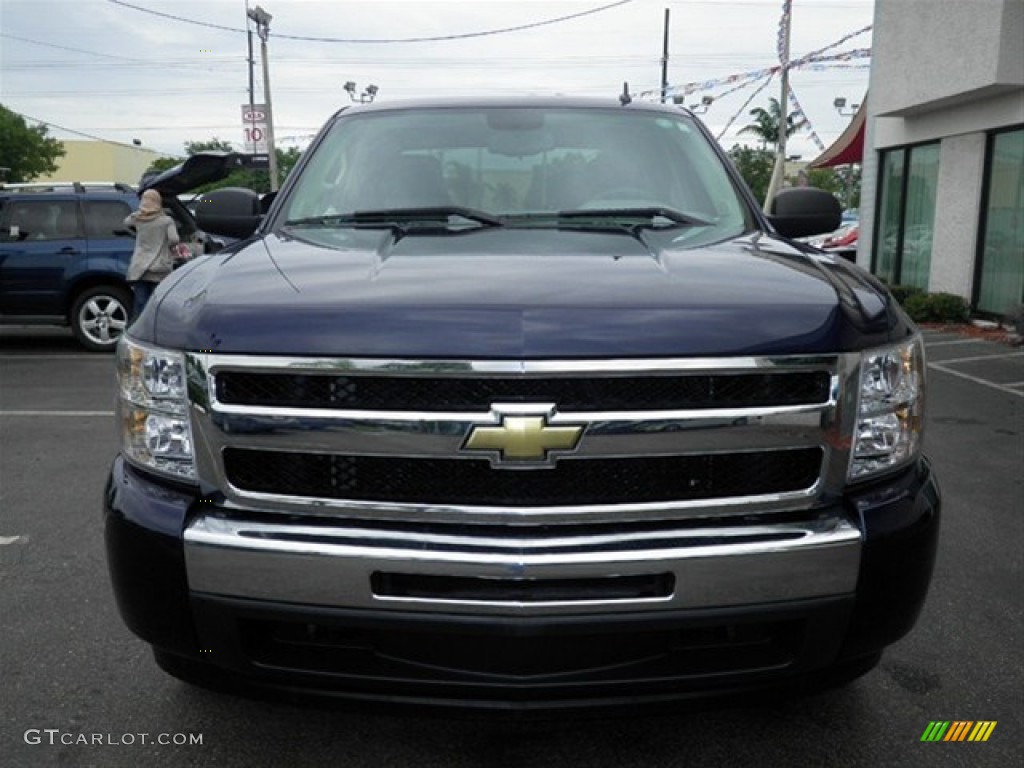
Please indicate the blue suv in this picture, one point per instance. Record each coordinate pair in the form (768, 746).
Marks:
(64, 251)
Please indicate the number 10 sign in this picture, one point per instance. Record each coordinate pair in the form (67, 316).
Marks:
(254, 127)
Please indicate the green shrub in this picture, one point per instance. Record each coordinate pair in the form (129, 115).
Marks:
(918, 307)
(903, 292)
(950, 308)
(937, 308)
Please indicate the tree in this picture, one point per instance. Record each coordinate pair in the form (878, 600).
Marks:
(26, 152)
(755, 166)
(766, 124)
(826, 179)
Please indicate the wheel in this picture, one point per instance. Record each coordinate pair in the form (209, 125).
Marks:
(99, 316)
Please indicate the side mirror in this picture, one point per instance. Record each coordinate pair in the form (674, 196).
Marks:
(805, 211)
(231, 211)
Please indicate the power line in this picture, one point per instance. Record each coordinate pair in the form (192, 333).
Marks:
(82, 133)
(73, 50)
(177, 18)
(185, 91)
(318, 60)
(380, 40)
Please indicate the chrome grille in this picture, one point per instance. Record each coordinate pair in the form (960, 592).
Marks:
(571, 483)
(572, 394)
(384, 439)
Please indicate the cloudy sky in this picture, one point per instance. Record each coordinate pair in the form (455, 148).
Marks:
(177, 71)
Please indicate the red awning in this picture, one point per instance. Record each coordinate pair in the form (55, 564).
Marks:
(849, 147)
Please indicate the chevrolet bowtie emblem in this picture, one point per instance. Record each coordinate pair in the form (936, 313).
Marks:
(522, 439)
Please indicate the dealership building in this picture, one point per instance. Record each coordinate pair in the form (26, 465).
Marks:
(87, 160)
(942, 198)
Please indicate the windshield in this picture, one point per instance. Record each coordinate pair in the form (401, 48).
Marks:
(521, 166)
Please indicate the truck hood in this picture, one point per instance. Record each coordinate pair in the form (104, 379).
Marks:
(518, 294)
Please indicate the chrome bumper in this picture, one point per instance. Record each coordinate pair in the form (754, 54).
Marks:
(335, 565)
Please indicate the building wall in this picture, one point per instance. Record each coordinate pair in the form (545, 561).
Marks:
(977, 116)
(961, 168)
(931, 54)
(101, 161)
(949, 71)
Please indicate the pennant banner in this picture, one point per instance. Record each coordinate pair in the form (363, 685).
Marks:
(742, 109)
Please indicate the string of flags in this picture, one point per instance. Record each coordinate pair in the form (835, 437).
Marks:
(780, 39)
(746, 103)
(798, 110)
(816, 61)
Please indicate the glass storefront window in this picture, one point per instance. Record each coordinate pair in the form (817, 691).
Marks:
(890, 215)
(903, 247)
(919, 216)
(1001, 285)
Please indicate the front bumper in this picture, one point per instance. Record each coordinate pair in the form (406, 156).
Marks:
(335, 610)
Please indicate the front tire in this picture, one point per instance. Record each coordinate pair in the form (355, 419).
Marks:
(99, 316)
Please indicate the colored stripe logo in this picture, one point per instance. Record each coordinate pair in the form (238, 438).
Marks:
(958, 730)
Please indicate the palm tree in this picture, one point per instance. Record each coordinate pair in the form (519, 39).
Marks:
(766, 124)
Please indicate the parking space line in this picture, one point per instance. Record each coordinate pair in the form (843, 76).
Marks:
(975, 379)
(948, 343)
(76, 414)
(975, 358)
(55, 357)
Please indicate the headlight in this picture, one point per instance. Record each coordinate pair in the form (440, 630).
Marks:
(890, 415)
(153, 409)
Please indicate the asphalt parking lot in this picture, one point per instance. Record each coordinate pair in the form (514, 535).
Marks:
(70, 670)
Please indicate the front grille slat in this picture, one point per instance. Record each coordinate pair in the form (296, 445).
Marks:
(438, 394)
(629, 480)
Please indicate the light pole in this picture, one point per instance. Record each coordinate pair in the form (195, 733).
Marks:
(846, 172)
(262, 20)
(779, 171)
(840, 105)
(705, 104)
(366, 97)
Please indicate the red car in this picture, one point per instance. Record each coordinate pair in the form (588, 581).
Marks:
(843, 242)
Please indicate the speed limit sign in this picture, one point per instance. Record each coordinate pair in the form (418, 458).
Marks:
(254, 128)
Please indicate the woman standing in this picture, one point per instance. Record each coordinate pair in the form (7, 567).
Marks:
(152, 259)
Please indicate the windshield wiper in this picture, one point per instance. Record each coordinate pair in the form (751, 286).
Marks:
(648, 217)
(400, 218)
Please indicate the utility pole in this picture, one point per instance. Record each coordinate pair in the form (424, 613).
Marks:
(262, 19)
(779, 171)
(664, 62)
(252, 84)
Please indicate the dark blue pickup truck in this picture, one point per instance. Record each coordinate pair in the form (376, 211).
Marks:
(520, 404)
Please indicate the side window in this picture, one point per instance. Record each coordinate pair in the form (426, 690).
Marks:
(35, 220)
(105, 218)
